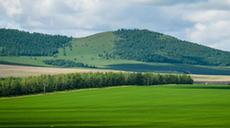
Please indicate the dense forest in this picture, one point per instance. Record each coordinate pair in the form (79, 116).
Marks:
(144, 45)
(15, 43)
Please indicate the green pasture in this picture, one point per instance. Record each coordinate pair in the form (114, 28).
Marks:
(170, 106)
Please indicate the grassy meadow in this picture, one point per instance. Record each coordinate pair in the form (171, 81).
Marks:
(169, 106)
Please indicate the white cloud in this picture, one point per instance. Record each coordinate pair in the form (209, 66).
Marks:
(204, 16)
(210, 24)
(215, 34)
(12, 8)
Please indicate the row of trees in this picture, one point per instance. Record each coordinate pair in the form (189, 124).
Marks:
(20, 43)
(49, 83)
(66, 63)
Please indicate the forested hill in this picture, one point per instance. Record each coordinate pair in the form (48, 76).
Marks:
(15, 43)
(107, 48)
(144, 45)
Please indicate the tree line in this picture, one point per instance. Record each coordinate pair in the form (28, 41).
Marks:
(67, 63)
(37, 84)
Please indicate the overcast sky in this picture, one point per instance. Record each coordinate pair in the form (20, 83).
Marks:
(206, 22)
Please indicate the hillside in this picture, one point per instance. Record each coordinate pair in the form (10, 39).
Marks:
(130, 50)
(144, 45)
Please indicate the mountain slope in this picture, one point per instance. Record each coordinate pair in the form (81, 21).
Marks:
(144, 45)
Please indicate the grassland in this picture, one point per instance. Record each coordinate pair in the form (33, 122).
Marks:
(186, 106)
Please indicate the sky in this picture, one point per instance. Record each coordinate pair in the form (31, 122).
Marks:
(205, 22)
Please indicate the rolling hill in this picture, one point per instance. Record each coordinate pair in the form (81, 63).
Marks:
(130, 50)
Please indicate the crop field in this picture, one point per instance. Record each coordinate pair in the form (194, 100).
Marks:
(23, 71)
(221, 79)
(169, 106)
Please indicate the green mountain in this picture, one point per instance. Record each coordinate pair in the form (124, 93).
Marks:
(131, 50)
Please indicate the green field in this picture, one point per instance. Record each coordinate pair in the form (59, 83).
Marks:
(185, 106)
